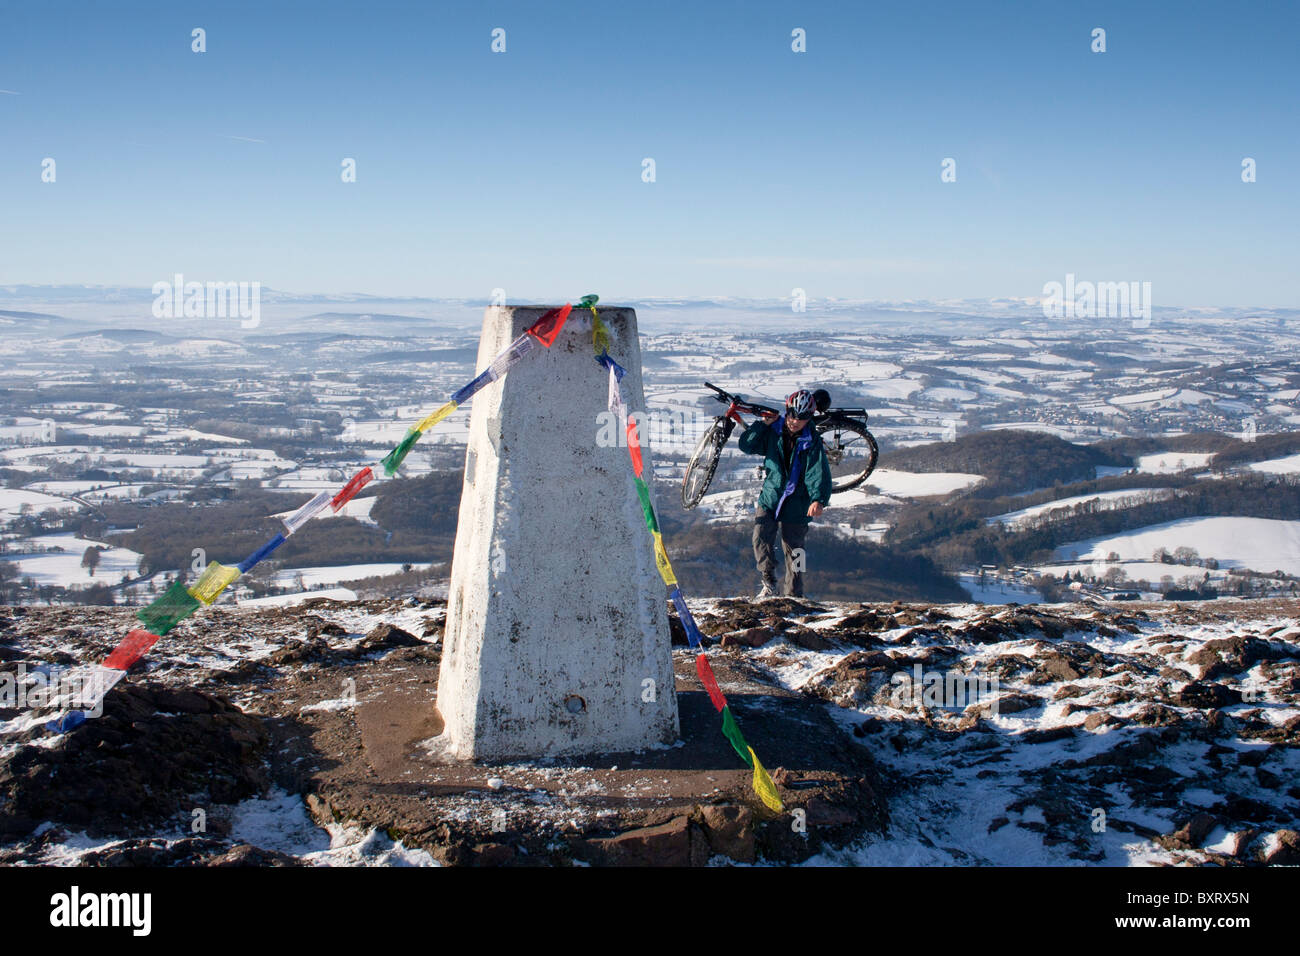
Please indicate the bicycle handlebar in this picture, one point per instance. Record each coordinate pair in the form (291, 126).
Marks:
(744, 406)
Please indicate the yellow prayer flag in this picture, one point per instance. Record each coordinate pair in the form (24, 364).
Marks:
(661, 559)
(764, 787)
(599, 333)
(214, 579)
(436, 417)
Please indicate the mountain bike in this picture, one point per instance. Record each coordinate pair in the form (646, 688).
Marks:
(851, 449)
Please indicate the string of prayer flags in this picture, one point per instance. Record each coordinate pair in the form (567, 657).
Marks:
(731, 730)
(175, 605)
(693, 636)
(436, 417)
(710, 682)
(179, 602)
(599, 331)
(260, 554)
(647, 509)
(548, 326)
(511, 356)
(466, 392)
(762, 782)
(393, 460)
(214, 579)
(763, 785)
(304, 514)
(134, 647)
(348, 491)
(65, 722)
(94, 684)
(661, 561)
(634, 446)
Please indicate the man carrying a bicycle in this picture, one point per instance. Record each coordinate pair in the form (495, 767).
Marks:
(796, 488)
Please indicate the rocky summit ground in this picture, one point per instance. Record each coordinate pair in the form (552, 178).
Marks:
(896, 734)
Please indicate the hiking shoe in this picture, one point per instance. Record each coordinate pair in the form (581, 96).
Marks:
(767, 592)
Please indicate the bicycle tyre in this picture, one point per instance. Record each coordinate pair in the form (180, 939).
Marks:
(838, 426)
(704, 462)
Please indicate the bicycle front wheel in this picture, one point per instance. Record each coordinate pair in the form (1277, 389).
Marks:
(704, 462)
(851, 449)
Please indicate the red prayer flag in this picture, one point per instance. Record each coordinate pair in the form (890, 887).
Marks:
(359, 481)
(134, 647)
(634, 447)
(548, 326)
(710, 683)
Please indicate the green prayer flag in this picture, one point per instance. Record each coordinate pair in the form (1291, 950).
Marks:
(644, 494)
(174, 606)
(393, 460)
(733, 734)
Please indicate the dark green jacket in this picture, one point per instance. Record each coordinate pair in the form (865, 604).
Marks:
(788, 494)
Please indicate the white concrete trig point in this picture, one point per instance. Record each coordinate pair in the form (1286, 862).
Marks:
(557, 636)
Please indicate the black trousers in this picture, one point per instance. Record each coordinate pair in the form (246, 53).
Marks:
(793, 535)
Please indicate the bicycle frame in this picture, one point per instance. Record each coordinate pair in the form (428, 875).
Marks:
(735, 406)
(699, 472)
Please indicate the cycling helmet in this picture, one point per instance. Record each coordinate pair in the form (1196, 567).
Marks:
(800, 404)
(823, 399)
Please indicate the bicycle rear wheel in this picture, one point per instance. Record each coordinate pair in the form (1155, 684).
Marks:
(704, 462)
(851, 449)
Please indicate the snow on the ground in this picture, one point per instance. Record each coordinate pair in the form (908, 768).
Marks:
(324, 576)
(1259, 544)
(1278, 466)
(954, 799)
(63, 568)
(1170, 462)
(909, 484)
(285, 600)
(280, 822)
(1162, 398)
(277, 822)
(13, 501)
(90, 490)
(995, 590)
(1150, 571)
(1124, 498)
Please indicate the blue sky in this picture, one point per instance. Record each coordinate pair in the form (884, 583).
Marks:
(522, 170)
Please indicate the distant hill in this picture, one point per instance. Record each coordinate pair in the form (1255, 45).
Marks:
(1011, 461)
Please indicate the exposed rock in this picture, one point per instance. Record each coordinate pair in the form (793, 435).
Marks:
(1233, 655)
(1102, 720)
(155, 753)
(668, 844)
(1202, 694)
(383, 636)
(730, 831)
(246, 854)
(1285, 850)
(751, 637)
(1193, 832)
(1007, 704)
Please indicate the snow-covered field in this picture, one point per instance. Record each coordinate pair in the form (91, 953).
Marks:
(909, 484)
(994, 590)
(326, 576)
(1172, 462)
(1124, 498)
(63, 568)
(1278, 466)
(14, 501)
(1259, 544)
(288, 600)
